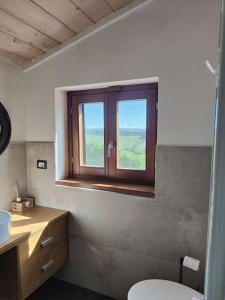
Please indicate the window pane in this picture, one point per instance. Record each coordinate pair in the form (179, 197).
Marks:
(91, 130)
(131, 134)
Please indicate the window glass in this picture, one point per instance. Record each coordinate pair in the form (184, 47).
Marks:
(91, 134)
(131, 134)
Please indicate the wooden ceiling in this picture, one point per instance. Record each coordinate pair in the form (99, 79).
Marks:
(29, 28)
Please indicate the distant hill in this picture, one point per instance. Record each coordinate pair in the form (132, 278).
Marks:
(123, 131)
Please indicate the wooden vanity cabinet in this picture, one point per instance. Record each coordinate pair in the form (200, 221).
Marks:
(9, 287)
(36, 250)
(41, 255)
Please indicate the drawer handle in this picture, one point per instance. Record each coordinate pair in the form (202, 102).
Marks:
(46, 267)
(47, 242)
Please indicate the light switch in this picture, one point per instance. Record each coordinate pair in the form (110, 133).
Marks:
(42, 164)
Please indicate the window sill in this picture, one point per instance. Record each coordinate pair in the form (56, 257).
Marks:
(118, 187)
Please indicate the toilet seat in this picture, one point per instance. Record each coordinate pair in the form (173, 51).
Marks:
(162, 290)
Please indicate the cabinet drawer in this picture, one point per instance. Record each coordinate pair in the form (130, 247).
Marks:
(43, 268)
(41, 242)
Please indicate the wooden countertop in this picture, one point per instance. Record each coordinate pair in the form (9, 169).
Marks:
(30, 221)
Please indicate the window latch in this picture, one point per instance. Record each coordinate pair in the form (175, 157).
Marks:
(110, 147)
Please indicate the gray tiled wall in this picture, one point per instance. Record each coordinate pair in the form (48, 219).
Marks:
(117, 240)
(12, 170)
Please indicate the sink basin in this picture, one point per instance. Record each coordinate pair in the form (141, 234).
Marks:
(5, 220)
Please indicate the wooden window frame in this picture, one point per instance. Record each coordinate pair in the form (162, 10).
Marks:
(76, 168)
(110, 97)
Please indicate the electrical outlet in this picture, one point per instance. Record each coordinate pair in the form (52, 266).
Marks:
(42, 164)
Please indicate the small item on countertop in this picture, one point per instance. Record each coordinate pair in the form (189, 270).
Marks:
(18, 198)
(25, 203)
(5, 220)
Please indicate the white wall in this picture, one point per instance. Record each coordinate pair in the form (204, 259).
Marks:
(13, 160)
(11, 95)
(4, 79)
(13, 170)
(169, 39)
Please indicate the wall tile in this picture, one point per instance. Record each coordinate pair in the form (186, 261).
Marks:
(129, 223)
(192, 233)
(183, 176)
(117, 240)
(12, 171)
(40, 178)
(191, 241)
(112, 271)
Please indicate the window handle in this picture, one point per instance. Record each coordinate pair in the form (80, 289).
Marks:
(110, 147)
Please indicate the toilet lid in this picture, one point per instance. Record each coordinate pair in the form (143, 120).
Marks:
(162, 290)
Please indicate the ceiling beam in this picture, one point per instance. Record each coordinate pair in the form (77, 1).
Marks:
(10, 44)
(95, 9)
(66, 12)
(22, 31)
(107, 21)
(39, 19)
(12, 58)
(118, 4)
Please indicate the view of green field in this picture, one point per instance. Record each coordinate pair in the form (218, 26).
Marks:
(94, 148)
(131, 139)
(131, 148)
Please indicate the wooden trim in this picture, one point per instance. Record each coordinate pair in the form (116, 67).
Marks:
(125, 180)
(70, 136)
(78, 168)
(117, 88)
(106, 118)
(150, 96)
(81, 134)
(152, 130)
(119, 187)
(112, 137)
(75, 132)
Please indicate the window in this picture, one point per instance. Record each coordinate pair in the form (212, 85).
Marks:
(112, 133)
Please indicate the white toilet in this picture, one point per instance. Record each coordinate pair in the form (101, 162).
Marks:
(162, 290)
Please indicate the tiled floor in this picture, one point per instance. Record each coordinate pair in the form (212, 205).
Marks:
(59, 290)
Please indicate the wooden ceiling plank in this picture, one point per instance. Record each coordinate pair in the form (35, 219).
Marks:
(10, 57)
(118, 4)
(95, 9)
(66, 12)
(20, 30)
(18, 47)
(32, 14)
